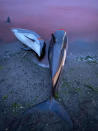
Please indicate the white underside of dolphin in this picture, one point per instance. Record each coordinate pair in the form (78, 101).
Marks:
(30, 39)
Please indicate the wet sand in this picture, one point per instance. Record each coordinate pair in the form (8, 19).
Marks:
(24, 84)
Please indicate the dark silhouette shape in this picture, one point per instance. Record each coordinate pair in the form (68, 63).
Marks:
(8, 20)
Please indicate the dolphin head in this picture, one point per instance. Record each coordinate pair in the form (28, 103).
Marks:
(31, 40)
(14, 30)
(57, 54)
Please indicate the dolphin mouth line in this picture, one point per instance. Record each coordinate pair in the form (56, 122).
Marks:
(30, 38)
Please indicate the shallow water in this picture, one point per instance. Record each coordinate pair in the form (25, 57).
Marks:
(79, 18)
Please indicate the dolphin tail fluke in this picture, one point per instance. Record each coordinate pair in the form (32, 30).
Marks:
(61, 112)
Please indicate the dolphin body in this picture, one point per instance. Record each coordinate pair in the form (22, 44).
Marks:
(57, 54)
(31, 40)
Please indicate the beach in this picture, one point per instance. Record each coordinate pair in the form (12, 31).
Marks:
(23, 83)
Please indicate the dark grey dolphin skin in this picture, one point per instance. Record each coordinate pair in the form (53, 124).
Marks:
(57, 54)
(56, 57)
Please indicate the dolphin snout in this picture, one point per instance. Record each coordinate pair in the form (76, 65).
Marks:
(14, 30)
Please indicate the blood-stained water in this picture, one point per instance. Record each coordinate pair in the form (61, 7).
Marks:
(79, 18)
